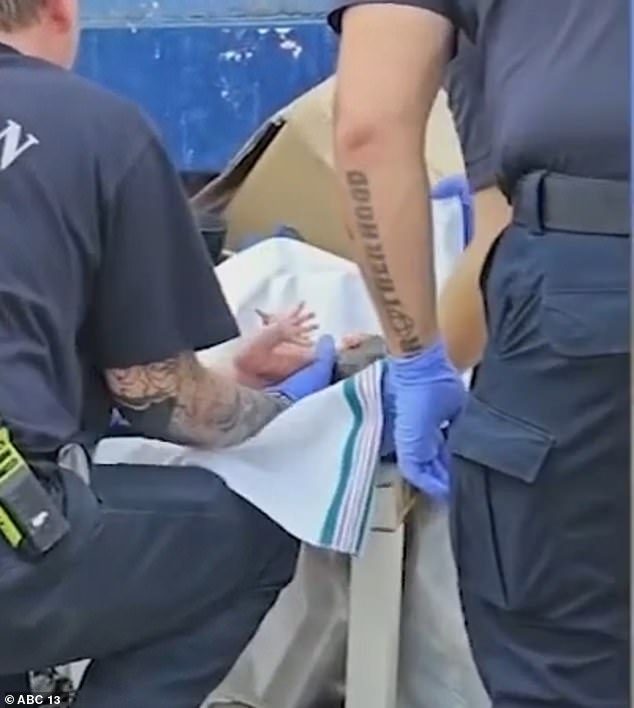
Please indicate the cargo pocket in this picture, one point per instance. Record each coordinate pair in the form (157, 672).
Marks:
(588, 322)
(499, 519)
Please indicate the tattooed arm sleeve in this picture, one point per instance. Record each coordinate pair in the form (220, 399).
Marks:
(180, 401)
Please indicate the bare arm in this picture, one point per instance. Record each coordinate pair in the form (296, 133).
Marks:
(460, 307)
(180, 401)
(390, 69)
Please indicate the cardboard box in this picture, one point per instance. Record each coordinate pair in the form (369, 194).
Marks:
(284, 175)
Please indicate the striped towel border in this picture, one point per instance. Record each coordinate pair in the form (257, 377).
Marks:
(348, 517)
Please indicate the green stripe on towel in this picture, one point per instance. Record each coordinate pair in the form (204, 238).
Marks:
(370, 500)
(352, 398)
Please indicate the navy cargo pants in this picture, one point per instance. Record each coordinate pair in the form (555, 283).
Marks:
(541, 493)
(162, 582)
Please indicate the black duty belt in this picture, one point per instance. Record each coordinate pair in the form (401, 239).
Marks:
(553, 202)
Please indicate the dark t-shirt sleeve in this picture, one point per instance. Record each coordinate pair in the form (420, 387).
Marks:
(157, 293)
(448, 8)
(464, 83)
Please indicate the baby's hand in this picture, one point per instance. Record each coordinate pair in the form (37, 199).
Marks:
(279, 349)
(294, 327)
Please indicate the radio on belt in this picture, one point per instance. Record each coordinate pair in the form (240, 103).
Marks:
(29, 519)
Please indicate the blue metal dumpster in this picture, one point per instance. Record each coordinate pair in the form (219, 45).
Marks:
(207, 71)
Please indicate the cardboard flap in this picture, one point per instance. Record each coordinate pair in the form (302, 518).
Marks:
(219, 192)
(311, 117)
(284, 175)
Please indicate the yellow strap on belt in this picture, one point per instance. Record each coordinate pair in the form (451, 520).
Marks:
(10, 462)
(9, 530)
(10, 458)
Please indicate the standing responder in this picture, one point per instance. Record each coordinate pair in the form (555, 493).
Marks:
(160, 576)
(541, 451)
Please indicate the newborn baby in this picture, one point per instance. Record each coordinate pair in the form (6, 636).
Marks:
(285, 345)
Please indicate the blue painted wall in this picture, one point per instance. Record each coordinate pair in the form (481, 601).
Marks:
(207, 71)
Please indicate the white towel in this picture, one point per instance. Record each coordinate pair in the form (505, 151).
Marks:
(313, 468)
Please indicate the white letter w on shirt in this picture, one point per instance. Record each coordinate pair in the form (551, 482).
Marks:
(13, 143)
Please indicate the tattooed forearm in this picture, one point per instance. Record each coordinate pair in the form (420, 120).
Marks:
(376, 270)
(180, 401)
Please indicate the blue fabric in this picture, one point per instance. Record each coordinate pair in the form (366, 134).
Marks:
(426, 393)
(162, 582)
(458, 186)
(540, 475)
(387, 450)
(118, 425)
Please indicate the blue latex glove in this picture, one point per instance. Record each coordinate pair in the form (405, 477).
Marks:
(315, 376)
(427, 394)
(458, 186)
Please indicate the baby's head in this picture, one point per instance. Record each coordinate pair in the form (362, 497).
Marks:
(352, 359)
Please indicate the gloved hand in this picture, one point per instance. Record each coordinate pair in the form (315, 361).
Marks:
(457, 186)
(314, 377)
(427, 393)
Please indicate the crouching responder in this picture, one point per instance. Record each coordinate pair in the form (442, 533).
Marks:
(160, 576)
(540, 469)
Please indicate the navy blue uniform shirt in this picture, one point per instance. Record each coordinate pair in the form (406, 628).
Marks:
(554, 79)
(465, 94)
(101, 265)
(464, 83)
